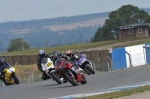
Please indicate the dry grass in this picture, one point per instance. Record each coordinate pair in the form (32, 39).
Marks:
(23, 75)
(61, 27)
(70, 26)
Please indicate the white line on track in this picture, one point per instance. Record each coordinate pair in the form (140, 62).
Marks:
(96, 92)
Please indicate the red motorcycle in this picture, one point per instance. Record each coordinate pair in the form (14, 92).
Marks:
(69, 72)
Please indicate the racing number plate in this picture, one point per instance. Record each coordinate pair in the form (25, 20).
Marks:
(49, 64)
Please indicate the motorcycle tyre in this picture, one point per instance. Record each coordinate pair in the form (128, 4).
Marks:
(56, 78)
(90, 69)
(84, 80)
(3, 80)
(16, 80)
(74, 83)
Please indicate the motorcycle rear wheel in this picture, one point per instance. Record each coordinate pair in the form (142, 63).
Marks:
(3, 80)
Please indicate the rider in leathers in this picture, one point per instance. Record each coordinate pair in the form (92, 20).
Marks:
(55, 55)
(42, 55)
(73, 57)
(3, 65)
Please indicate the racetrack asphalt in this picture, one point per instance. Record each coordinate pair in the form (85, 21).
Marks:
(50, 89)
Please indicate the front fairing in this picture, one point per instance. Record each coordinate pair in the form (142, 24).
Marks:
(47, 64)
(60, 64)
(8, 73)
(9, 70)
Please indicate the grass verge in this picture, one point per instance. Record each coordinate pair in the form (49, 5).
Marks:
(117, 94)
(23, 75)
(80, 46)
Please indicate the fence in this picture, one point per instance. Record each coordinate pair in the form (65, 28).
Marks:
(96, 56)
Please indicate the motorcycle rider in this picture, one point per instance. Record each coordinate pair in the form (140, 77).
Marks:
(42, 55)
(3, 65)
(55, 55)
(73, 57)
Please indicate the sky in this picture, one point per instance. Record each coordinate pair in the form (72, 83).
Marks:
(23, 10)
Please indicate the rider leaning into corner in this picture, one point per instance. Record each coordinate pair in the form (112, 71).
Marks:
(3, 65)
(53, 56)
(42, 55)
(73, 57)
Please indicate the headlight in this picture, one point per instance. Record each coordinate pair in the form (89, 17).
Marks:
(10, 70)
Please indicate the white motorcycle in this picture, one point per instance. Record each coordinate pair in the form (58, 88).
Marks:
(49, 69)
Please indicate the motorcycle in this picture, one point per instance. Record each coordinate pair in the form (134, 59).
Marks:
(69, 72)
(9, 77)
(84, 63)
(49, 68)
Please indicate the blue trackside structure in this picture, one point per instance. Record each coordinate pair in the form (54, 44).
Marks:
(118, 58)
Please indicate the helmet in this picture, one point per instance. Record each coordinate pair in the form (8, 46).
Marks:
(68, 53)
(54, 55)
(2, 61)
(41, 53)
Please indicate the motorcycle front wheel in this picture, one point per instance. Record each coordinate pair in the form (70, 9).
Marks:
(70, 77)
(84, 80)
(90, 69)
(16, 80)
(55, 77)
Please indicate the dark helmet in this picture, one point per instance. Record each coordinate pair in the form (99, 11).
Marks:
(2, 61)
(68, 53)
(54, 55)
(41, 53)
